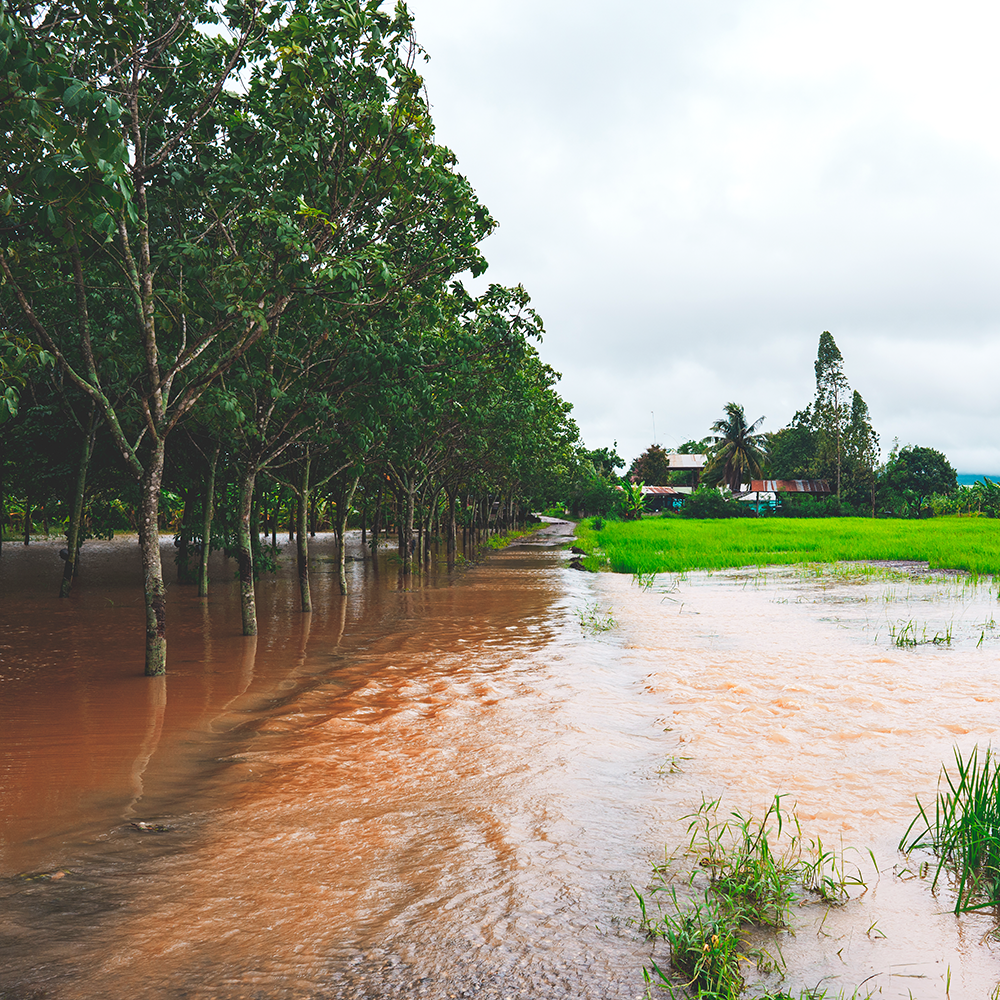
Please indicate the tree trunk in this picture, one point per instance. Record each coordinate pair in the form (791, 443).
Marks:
(74, 535)
(376, 524)
(343, 512)
(3, 499)
(406, 531)
(256, 552)
(302, 549)
(182, 557)
(248, 601)
(27, 519)
(452, 532)
(152, 569)
(208, 510)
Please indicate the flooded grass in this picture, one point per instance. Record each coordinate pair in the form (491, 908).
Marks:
(757, 869)
(964, 831)
(658, 545)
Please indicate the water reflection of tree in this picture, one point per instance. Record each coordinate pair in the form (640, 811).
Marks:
(156, 700)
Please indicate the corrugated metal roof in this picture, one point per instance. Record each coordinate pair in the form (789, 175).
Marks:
(662, 491)
(789, 486)
(679, 461)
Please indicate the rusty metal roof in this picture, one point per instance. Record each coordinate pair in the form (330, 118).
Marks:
(789, 486)
(662, 491)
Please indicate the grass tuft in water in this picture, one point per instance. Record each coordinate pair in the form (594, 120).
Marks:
(757, 870)
(595, 620)
(964, 831)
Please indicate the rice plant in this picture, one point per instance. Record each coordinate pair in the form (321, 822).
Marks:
(904, 634)
(595, 620)
(766, 864)
(704, 949)
(757, 870)
(658, 545)
(964, 830)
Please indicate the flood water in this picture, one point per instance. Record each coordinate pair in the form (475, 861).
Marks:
(446, 788)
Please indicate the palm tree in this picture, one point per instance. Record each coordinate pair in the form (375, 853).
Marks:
(738, 451)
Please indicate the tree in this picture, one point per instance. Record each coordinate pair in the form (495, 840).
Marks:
(861, 452)
(914, 473)
(738, 450)
(605, 460)
(652, 467)
(830, 407)
(791, 451)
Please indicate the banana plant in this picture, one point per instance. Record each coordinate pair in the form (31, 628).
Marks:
(633, 501)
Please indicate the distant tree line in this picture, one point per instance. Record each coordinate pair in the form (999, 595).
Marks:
(229, 245)
(831, 439)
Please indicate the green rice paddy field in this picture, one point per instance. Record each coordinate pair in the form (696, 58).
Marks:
(673, 545)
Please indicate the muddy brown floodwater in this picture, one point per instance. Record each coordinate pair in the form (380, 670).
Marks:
(446, 789)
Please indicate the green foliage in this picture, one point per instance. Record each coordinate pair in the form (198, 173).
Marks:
(791, 451)
(711, 502)
(631, 500)
(982, 498)
(18, 359)
(912, 475)
(605, 460)
(660, 545)
(801, 505)
(964, 831)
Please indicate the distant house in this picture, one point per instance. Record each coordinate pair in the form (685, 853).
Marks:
(676, 462)
(816, 487)
(679, 461)
(664, 497)
(767, 490)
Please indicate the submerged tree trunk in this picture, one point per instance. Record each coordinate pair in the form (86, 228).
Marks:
(302, 548)
(3, 498)
(343, 512)
(208, 511)
(182, 557)
(452, 532)
(376, 526)
(152, 569)
(74, 534)
(248, 600)
(406, 531)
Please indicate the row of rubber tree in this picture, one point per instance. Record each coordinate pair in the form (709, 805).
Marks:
(230, 225)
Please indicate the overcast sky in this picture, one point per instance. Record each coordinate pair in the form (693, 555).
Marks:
(692, 192)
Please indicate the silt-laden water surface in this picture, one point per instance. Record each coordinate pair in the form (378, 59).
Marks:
(446, 788)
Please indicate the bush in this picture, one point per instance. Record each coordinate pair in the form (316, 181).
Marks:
(802, 505)
(707, 501)
(594, 495)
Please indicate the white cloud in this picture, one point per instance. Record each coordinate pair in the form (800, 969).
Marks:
(692, 193)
